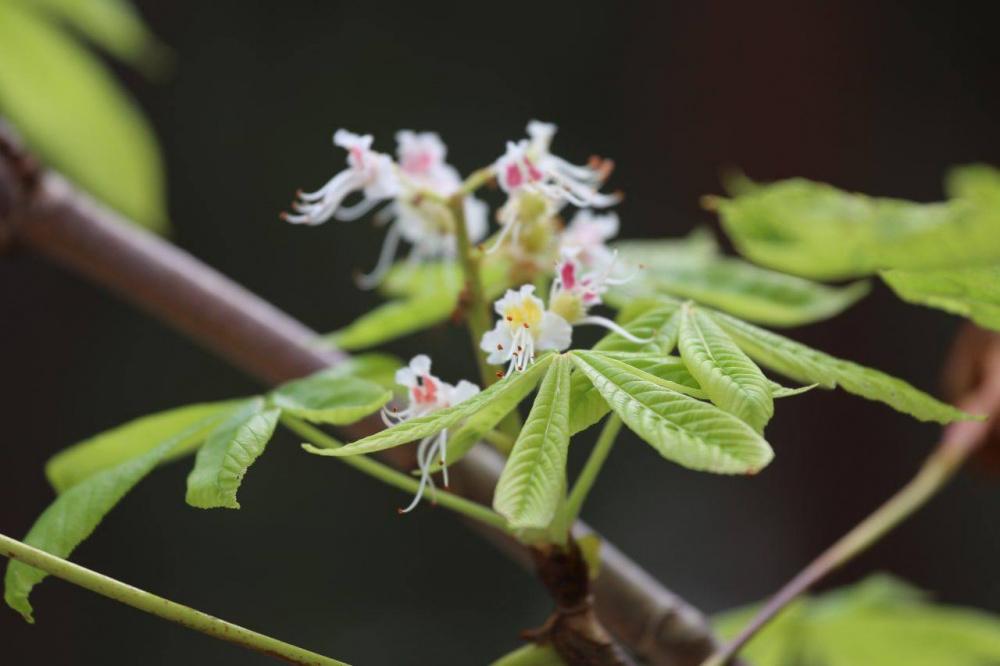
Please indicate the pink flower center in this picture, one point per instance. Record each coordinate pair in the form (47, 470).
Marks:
(425, 392)
(567, 274)
(514, 178)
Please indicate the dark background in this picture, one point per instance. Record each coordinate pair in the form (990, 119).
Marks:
(876, 97)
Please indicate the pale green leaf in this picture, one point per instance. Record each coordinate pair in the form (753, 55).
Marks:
(531, 655)
(330, 396)
(223, 461)
(113, 25)
(818, 231)
(519, 385)
(587, 405)
(429, 424)
(731, 380)
(689, 432)
(534, 479)
(71, 110)
(375, 367)
(745, 290)
(110, 448)
(968, 292)
(394, 319)
(973, 181)
(779, 391)
(878, 622)
(74, 515)
(808, 365)
(695, 250)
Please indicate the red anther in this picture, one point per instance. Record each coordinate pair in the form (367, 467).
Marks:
(298, 192)
(526, 325)
(499, 347)
(283, 216)
(499, 374)
(509, 318)
(520, 348)
(400, 511)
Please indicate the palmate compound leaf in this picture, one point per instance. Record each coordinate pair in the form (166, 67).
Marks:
(332, 396)
(808, 365)
(422, 426)
(817, 231)
(731, 380)
(223, 460)
(691, 433)
(74, 515)
(533, 481)
(879, 621)
(735, 286)
(113, 447)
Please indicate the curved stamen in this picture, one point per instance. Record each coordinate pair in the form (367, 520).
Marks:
(386, 256)
(613, 327)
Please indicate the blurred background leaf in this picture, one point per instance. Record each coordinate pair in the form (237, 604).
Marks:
(880, 621)
(69, 107)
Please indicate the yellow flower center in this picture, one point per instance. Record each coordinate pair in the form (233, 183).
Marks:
(526, 314)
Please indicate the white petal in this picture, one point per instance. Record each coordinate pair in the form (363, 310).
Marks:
(421, 364)
(498, 343)
(554, 333)
(463, 391)
(406, 377)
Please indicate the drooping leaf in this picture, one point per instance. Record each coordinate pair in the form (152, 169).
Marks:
(422, 426)
(879, 621)
(968, 292)
(534, 479)
(71, 110)
(815, 230)
(689, 432)
(727, 375)
(520, 384)
(223, 460)
(330, 396)
(113, 447)
(745, 290)
(114, 25)
(74, 515)
(531, 654)
(808, 365)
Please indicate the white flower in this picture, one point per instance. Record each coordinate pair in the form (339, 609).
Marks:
(426, 223)
(528, 171)
(525, 327)
(587, 235)
(427, 394)
(371, 173)
(574, 292)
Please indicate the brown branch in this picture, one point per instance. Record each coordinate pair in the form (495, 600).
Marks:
(42, 212)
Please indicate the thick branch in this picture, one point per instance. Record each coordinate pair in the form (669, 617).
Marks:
(44, 213)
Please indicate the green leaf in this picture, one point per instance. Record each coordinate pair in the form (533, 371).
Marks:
(519, 385)
(111, 24)
(968, 292)
(223, 461)
(330, 396)
(531, 655)
(691, 433)
(779, 391)
(695, 250)
(818, 231)
(422, 426)
(394, 319)
(375, 367)
(110, 448)
(534, 479)
(71, 110)
(74, 515)
(973, 181)
(728, 376)
(808, 365)
(878, 621)
(745, 290)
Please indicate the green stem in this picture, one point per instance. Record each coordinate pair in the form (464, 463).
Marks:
(395, 478)
(158, 606)
(475, 180)
(935, 473)
(584, 482)
(477, 315)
